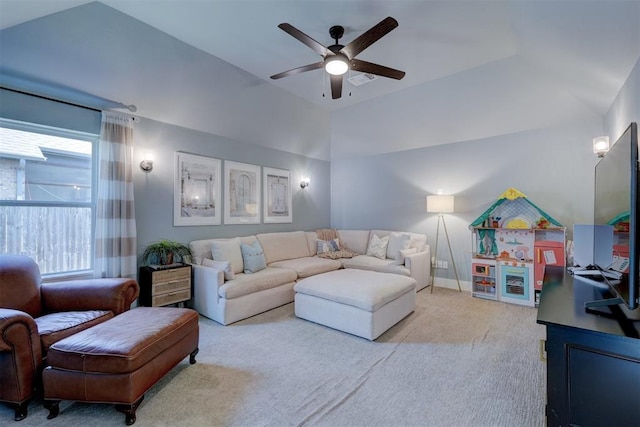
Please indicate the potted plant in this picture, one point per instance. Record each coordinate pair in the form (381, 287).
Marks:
(165, 252)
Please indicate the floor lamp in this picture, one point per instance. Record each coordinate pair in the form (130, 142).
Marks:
(441, 204)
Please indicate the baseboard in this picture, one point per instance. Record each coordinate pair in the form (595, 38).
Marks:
(452, 284)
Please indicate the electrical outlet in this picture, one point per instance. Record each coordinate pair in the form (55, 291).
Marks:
(442, 264)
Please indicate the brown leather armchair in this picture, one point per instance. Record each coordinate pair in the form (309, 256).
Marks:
(34, 315)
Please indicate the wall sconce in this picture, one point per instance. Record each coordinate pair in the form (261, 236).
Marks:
(305, 182)
(146, 165)
(601, 145)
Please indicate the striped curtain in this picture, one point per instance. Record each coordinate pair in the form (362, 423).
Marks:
(115, 245)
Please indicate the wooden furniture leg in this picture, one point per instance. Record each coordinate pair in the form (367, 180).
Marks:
(192, 356)
(130, 411)
(53, 406)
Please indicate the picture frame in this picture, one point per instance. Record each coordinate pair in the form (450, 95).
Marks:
(197, 190)
(242, 193)
(277, 195)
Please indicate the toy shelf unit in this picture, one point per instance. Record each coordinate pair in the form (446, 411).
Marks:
(483, 279)
(512, 243)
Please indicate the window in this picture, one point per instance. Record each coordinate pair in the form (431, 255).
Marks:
(47, 197)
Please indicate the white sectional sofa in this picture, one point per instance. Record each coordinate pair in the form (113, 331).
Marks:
(224, 292)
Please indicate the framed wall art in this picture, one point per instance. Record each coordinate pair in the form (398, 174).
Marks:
(277, 195)
(242, 193)
(197, 190)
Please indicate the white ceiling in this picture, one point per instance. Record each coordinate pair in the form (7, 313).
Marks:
(583, 49)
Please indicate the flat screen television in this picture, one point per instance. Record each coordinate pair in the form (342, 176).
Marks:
(616, 205)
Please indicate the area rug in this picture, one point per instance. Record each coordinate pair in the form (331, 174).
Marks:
(455, 361)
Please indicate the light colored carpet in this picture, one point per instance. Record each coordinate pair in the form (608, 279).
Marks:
(455, 361)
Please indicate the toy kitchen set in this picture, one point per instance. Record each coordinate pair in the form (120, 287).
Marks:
(513, 241)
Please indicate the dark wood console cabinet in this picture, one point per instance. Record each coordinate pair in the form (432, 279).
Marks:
(593, 362)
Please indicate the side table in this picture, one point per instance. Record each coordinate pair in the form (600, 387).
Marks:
(164, 284)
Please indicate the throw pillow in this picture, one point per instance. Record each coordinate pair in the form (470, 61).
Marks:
(324, 246)
(228, 250)
(397, 242)
(225, 266)
(253, 257)
(403, 254)
(378, 247)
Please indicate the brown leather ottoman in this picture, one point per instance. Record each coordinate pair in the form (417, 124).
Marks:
(119, 360)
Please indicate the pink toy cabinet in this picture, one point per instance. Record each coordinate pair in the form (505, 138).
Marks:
(547, 252)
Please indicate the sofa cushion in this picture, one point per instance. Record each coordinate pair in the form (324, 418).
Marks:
(225, 266)
(397, 242)
(245, 284)
(378, 246)
(354, 240)
(365, 262)
(228, 250)
(308, 266)
(282, 246)
(201, 249)
(312, 236)
(418, 241)
(252, 257)
(403, 254)
(56, 326)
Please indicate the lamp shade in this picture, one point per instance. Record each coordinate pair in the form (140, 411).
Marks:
(440, 204)
(601, 145)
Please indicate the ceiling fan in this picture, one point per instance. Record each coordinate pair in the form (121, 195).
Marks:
(338, 59)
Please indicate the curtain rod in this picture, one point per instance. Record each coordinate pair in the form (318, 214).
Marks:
(50, 99)
(131, 108)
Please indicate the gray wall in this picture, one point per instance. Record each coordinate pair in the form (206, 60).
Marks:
(626, 107)
(154, 190)
(553, 167)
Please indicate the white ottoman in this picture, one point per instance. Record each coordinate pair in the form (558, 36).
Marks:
(360, 302)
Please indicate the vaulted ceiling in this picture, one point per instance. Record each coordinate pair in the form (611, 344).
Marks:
(531, 63)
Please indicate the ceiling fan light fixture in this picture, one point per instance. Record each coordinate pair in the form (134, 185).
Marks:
(336, 65)
(338, 59)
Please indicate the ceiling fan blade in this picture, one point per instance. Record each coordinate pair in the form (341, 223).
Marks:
(298, 70)
(379, 70)
(336, 86)
(296, 33)
(369, 37)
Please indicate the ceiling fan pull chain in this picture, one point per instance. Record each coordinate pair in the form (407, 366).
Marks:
(349, 80)
(324, 82)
